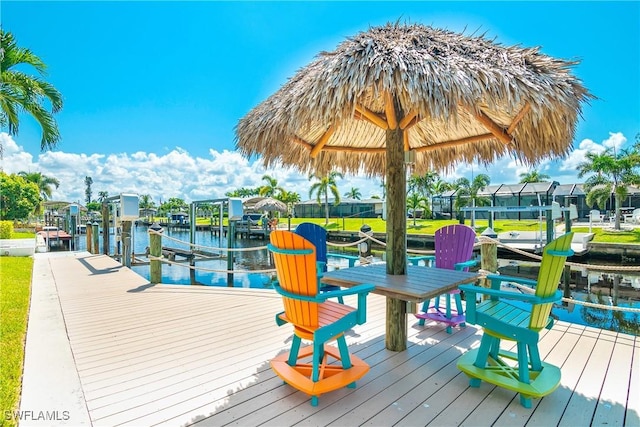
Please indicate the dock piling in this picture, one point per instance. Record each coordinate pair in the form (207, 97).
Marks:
(155, 250)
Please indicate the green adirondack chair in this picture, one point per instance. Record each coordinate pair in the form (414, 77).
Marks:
(523, 372)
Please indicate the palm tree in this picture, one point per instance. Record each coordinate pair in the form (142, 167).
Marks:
(146, 203)
(354, 193)
(43, 182)
(612, 174)
(383, 186)
(533, 176)
(102, 196)
(322, 187)
(439, 188)
(243, 192)
(468, 192)
(20, 92)
(87, 192)
(415, 201)
(423, 184)
(271, 187)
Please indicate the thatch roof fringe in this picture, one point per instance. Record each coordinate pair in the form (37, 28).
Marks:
(445, 88)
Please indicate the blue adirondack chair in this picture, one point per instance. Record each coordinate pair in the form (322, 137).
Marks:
(523, 372)
(453, 250)
(314, 319)
(318, 236)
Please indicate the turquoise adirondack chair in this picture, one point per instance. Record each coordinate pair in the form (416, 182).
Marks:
(314, 319)
(523, 372)
(453, 250)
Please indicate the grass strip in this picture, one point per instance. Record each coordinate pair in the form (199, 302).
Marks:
(15, 291)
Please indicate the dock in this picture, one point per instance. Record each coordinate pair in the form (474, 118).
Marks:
(109, 348)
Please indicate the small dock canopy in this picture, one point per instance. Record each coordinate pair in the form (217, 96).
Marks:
(179, 218)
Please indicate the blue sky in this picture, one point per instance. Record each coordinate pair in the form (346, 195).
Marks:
(153, 90)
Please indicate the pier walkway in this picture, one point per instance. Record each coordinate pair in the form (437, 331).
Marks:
(105, 347)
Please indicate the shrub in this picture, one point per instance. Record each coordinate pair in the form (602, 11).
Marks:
(6, 229)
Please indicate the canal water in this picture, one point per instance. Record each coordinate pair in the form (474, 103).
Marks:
(619, 288)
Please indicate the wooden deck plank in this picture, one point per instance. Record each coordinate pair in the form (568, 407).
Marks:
(583, 402)
(632, 415)
(179, 355)
(575, 348)
(555, 346)
(610, 409)
(373, 351)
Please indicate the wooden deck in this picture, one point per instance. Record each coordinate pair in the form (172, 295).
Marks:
(178, 355)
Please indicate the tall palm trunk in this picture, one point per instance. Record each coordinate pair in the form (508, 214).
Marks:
(326, 207)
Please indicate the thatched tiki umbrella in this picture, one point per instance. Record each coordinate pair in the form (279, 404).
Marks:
(438, 96)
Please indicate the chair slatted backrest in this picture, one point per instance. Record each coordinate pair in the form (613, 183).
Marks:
(318, 236)
(453, 244)
(554, 258)
(296, 269)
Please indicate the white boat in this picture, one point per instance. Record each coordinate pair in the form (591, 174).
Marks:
(534, 241)
(17, 247)
(41, 244)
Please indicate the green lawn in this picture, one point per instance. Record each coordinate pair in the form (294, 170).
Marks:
(14, 306)
(420, 226)
(609, 236)
(23, 235)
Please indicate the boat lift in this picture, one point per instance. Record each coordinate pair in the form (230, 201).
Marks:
(550, 212)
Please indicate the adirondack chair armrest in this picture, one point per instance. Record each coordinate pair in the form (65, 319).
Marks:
(462, 265)
(532, 299)
(321, 267)
(567, 253)
(472, 290)
(496, 279)
(352, 258)
(359, 289)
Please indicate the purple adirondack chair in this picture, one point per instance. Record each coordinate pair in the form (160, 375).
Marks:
(453, 250)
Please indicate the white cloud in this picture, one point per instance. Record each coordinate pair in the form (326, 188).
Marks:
(615, 141)
(176, 173)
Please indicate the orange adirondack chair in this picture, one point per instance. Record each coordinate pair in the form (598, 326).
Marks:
(318, 368)
(453, 250)
(523, 371)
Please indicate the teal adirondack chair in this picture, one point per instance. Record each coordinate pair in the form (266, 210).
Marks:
(314, 319)
(523, 372)
(453, 250)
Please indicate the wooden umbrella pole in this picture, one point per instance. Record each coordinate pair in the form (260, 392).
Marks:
(396, 202)
(396, 334)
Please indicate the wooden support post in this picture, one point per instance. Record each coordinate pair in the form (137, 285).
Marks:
(192, 270)
(396, 325)
(567, 280)
(96, 238)
(105, 228)
(396, 180)
(231, 243)
(155, 250)
(74, 229)
(550, 227)
(126, 243)
(489, 260)
(89, 231)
